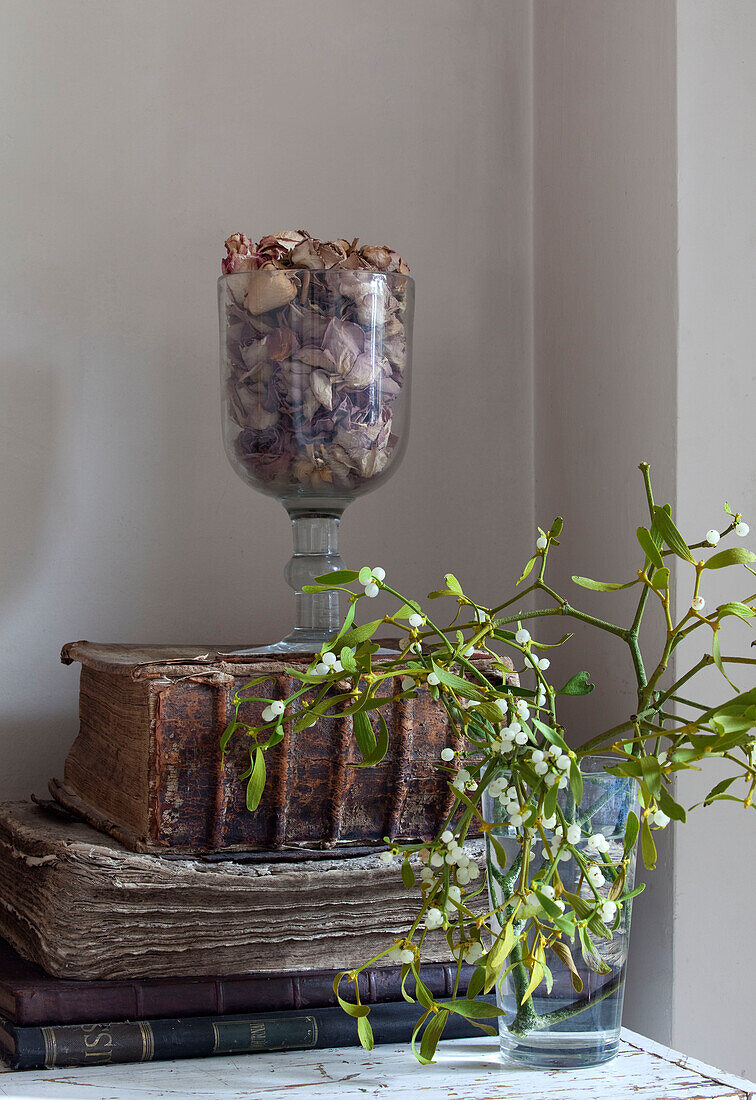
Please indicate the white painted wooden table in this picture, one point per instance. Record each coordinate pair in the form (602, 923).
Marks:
(467, 1069)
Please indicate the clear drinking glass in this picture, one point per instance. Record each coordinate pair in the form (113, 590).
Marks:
(565, 1028)
(315, 377)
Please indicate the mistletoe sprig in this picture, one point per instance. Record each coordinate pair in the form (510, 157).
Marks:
(512, 750)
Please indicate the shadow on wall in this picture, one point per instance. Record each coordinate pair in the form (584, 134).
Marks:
(30, 761)
(29, 450)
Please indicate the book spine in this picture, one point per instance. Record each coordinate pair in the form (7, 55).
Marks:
(57, 1001)
(199, 1037)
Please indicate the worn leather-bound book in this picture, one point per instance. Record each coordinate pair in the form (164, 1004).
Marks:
(83, 906)
(202, 1037)
(29, 996)
(147, 766)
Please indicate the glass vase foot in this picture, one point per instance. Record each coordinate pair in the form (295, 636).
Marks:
(304, 642)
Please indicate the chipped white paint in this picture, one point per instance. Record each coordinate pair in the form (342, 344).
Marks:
(467, 1069)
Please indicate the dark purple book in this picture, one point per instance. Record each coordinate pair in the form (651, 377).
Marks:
(29, 996)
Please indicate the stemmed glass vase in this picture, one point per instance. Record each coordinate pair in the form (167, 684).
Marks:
(315, 378)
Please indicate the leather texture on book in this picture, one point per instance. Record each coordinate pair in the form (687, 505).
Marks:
(98, 1044)
(29, 996)
(146, 765)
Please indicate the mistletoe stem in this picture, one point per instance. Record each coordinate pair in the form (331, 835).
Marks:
(521, 1026)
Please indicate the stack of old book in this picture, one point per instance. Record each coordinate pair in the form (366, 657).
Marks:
(49, 1022)
(146, 914)
(113, 956)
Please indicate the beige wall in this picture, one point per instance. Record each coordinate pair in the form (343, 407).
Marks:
(137, 137)
(645, 144)
(715, 854)
(605, 352)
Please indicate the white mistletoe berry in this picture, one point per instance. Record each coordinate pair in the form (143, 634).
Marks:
(434, 918)
(598, 842)
(608, 911)
(595, 876)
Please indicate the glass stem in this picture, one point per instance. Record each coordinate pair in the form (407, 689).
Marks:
(316, 551)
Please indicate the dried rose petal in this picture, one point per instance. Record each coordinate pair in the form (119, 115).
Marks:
(390, 388)
(261, 418)
(254, 353)
(317, 255)
(306, 255)
(372, 462)
(269, 290)
(282, 343)
(240, 255)
(297, 248)
(316, 357)
(344, 341)
(266, 452)
(360, 438)
(384, 259)
(277, 246)
(310, 404)
(365, 369)
(309, 324)
(353, 262)
(322, 388)
(312, 468)
(395, 349)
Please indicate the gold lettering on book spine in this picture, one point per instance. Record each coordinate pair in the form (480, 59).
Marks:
(98, 1044)
(148, 1042)
(226, 1035)
(48, 1035)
